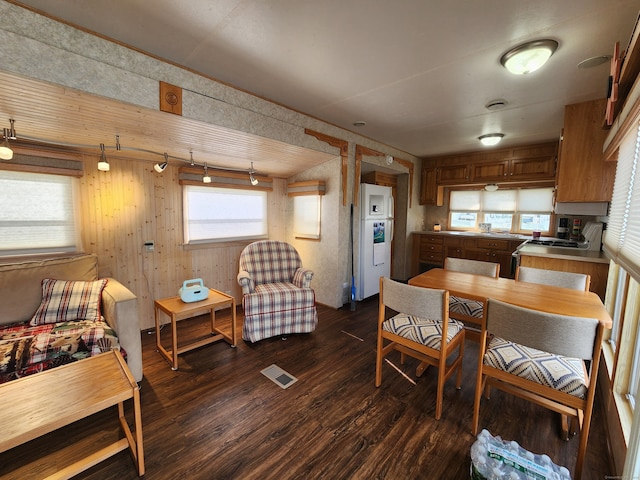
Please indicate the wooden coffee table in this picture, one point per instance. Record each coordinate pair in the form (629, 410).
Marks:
(176, 309)
(41, 403)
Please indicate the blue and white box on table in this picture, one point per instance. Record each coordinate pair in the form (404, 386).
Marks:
(193, 290)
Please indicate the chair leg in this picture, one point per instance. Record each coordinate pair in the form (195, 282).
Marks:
(440, 390)
(459, 375)
(379, 355)
(420, 369)
(480, 383)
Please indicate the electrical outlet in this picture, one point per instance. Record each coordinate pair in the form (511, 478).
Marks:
(149, 247)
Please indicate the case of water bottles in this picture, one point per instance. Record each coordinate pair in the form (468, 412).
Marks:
(495, 459)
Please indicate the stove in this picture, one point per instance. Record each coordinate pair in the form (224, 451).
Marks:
(554, 243)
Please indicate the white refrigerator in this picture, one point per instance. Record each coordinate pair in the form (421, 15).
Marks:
(376, 234)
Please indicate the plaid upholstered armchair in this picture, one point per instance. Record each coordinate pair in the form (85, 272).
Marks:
(276, 293)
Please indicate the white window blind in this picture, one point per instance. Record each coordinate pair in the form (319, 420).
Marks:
(306, 216)
(214, 214)
(499, 201)
(37, 214)
(622, 237)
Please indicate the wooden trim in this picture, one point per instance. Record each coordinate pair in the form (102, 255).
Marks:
(170, 98)
(631, 120)
(409, 166)
(44, 160)
(223, 178)
(360, 151)
(343, 145)
(311, 187)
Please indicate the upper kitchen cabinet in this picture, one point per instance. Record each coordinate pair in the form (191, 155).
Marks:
(527, 164)
(583, 175)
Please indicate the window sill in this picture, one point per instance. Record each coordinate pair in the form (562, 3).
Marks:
(621, 404)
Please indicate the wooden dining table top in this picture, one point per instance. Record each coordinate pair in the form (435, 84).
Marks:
(545, 298)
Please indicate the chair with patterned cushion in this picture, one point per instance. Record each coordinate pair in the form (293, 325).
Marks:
(575, 281)
(465, 309)
(548, 359)
(420, 328)
(276, 294)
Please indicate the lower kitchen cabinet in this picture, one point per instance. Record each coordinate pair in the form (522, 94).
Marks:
(599, 271)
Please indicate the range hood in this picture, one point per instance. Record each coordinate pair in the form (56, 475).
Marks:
(582, 208)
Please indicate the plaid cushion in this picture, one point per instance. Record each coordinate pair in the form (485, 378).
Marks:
(464, 306)
(64, 301)
(270, 261)
(422, 330)
(565, 374)
(278, 309)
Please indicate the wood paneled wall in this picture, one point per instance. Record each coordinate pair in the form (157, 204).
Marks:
(132, 204)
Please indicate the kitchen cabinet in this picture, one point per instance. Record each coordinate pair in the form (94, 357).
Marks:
(583, 174)
(517, 169)
(531, 164)
(428, 187)
(453, 174)
(431, 248)
(599, 271)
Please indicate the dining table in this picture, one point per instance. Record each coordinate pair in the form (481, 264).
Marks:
(544, 298)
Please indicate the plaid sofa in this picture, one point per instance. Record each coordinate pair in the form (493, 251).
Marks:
(276, 295)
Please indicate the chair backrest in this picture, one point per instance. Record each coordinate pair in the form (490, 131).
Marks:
(417, 301)
(557, 334)
(270, 261)
(575, 281)
(477, 267)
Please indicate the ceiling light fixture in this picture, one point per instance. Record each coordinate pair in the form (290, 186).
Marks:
(159, 167)
(206, 178)
(5, 150)
(252, 179)
(491, 187)
(528, 57)
(103, 164)
(490, 139)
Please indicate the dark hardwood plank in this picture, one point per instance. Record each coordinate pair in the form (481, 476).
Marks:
(218, 417)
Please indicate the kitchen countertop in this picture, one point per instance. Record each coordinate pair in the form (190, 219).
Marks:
(563, 253)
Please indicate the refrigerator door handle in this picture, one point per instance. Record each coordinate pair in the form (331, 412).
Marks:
(392, 231)
(391, 207)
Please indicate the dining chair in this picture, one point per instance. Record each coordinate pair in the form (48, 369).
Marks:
(548, 359)
(575, 281)
(420, 328)
(465, 309)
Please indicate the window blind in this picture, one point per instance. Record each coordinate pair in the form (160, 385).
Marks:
(622, 237)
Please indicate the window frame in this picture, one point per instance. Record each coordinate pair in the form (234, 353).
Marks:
(223, 191)
(516, 219)
(72, 237)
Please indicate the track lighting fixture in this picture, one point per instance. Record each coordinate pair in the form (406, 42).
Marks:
(191, 156)
(5, 150)
(103, 164)
(252, 179)
(206, 178)
(159, 167)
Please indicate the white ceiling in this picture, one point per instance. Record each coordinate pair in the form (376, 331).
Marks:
(418, 72)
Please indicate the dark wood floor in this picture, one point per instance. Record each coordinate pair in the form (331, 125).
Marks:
(218, 417)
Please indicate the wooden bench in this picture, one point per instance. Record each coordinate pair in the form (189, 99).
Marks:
(41, 403)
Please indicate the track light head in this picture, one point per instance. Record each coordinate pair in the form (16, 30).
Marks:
(103, 164)
(252, 179)
(206, 178)
(6, 153)
(159, 167)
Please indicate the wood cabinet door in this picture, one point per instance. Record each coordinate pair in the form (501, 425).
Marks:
(453, 174)
(495, 171)
(539, 168)
(583, 175)
(428, 187)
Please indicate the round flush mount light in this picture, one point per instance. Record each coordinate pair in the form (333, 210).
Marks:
(490, 139)
(491, 187)
(528, 57)
(496, 104)
(594, 61)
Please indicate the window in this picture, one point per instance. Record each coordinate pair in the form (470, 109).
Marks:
(306, 216)
(37, 214)
(213, 214)
(525, 210)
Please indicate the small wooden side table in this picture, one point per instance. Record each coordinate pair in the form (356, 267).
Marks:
(176, 309)
(45, 401)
